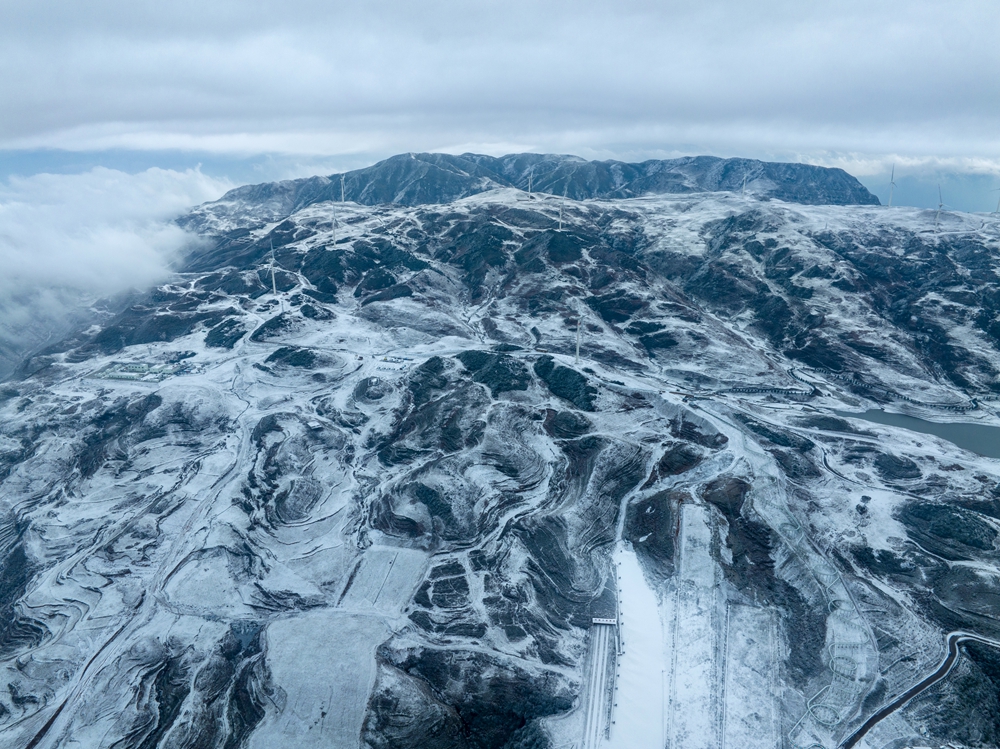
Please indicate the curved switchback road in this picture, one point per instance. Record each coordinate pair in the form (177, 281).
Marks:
(953, 640)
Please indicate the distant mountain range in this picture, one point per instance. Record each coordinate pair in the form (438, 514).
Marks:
(424, 178)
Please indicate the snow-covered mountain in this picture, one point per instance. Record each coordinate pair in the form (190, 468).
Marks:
(507, 470)
(420, 179)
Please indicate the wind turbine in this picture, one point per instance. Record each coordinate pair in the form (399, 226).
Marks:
(743, 190)
(996, 189)
(531, 171)
(892, 183)
(342, 188)
(578, 303)
(274, 284)
(941, 205)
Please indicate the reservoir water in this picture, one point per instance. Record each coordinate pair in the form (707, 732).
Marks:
(978, 438)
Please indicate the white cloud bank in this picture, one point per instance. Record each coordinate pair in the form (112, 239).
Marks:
(65, 239)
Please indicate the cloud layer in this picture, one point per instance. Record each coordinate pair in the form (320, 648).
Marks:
(627, 79)
(65, 239)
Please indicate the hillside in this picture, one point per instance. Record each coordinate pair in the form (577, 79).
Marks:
(345, 480)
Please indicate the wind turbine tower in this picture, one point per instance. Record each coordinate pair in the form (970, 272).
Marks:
(940, 206)
(743, 190)
(274, 284)
(996, 189)
(892, 184)
(342, 189)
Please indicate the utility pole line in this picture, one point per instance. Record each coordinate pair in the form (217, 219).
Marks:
(579, 319)
(274, 284)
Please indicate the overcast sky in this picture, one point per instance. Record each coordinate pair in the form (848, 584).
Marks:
(857, 84)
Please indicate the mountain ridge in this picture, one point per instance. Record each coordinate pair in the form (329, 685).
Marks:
(428, 178)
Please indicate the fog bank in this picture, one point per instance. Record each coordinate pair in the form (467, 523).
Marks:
(67, 240)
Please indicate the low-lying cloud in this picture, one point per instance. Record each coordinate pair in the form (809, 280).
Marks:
(69, 239)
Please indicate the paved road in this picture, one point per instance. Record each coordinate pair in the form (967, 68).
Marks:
(953, 640)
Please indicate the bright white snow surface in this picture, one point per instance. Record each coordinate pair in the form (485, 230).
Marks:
(640, 695)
